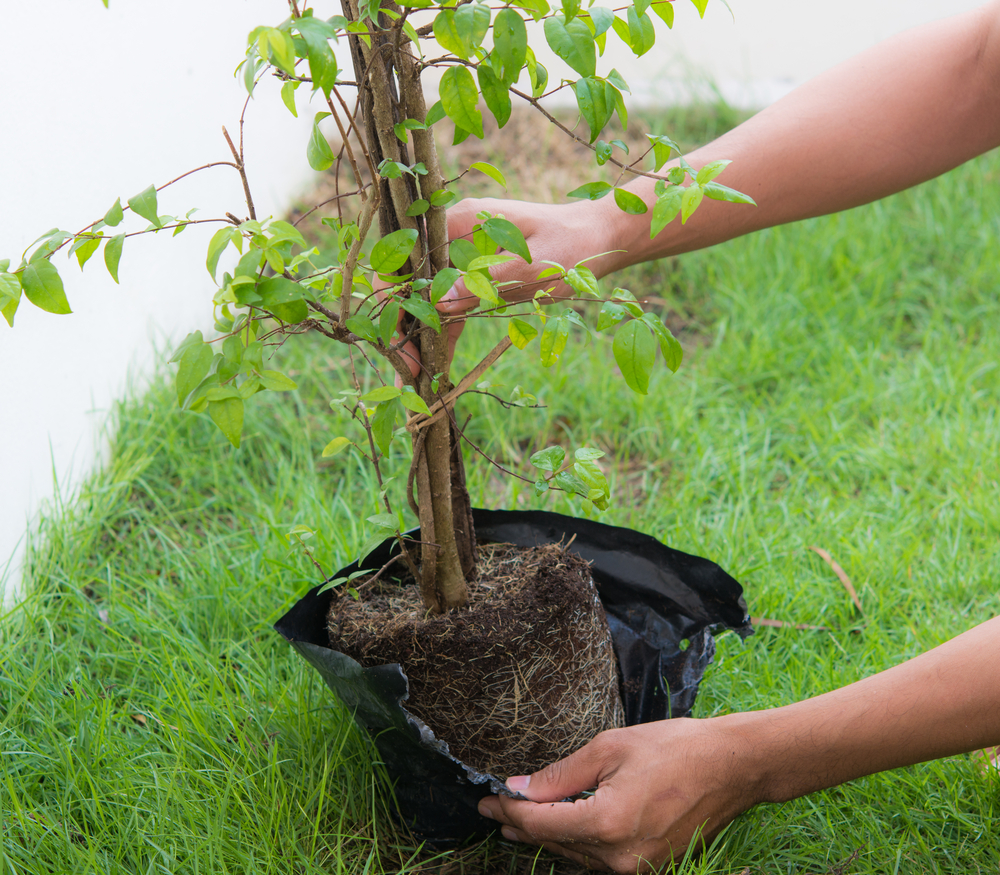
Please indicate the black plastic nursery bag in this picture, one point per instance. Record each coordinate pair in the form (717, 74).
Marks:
(657, 601)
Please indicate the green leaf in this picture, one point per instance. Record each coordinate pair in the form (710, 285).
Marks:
(388, 321)
(390, 253)
(701, 6)
(596, 99)
(507, 235)
(490, 171)
(278, 290)
(718, 192)
(383, 423)
(318, 151)
(641, 32)
(443, 281)
(424, 311)
(220, 240)
(665, 9)
(538, 75)
(573, 42)
(662, 147)
(676, 175)
(446, 33)
(462, 30)
(587, 454)
(667, 206)
(602, 19)
(10, 296)
(690, 199)
(582, 280)
(611, 314)
(441, 197)
(115, 215)
(549, 459)
(434, 114)
(418, 207)
(277, 382)
(602, 152)
(459, 97)
(472, 20)
(322, 63)
(412, 401)
(484, 262)
(495, 94)
(292, 312)
(335, 446)
(382, 393)
(84, 247)
(538, 8)
(250, 67)
(710, 171)
(288, 96)
(363, 327)
(510, 44)
(462, 252)
(669, 345)
(43, 286)
(144, 204)
(521, 333)
(279, 231)
(630, 203)
(570, 482)
(635, 350)
(553, 342)
(227, 414)
(480, 285)
(592, 190)
(193, 368)
(384, 521)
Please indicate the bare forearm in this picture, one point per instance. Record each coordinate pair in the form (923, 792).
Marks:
(944, 702)
(901, 113)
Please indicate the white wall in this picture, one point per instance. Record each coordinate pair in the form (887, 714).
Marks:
(99, 104)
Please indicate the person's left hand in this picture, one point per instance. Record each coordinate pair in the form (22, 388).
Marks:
(660, 786)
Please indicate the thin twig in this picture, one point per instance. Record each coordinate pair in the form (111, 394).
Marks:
(343, 139)
(329, 200)
(439, 407)
(534, 101)
(240, 168)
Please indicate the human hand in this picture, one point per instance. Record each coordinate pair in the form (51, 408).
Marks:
(659, 787)
(565, 234)
(561, 233)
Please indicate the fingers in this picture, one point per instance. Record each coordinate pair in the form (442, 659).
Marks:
(582, 770)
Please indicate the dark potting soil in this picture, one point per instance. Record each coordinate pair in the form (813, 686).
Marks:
(521, 676)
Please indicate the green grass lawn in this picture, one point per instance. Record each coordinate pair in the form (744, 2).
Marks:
(839, 389)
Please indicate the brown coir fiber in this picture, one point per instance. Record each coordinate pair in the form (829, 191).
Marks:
(521, 676)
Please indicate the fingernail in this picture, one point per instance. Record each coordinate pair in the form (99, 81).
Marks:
(485, 812)
(509, 834)
(518, 783)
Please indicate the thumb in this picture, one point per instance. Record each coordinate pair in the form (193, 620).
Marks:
(582, 770)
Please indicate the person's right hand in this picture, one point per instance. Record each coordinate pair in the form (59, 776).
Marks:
(659, 787)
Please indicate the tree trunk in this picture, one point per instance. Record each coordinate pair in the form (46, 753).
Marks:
(390, 89)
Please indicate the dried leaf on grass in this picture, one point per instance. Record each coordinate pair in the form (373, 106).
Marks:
(844, 579)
